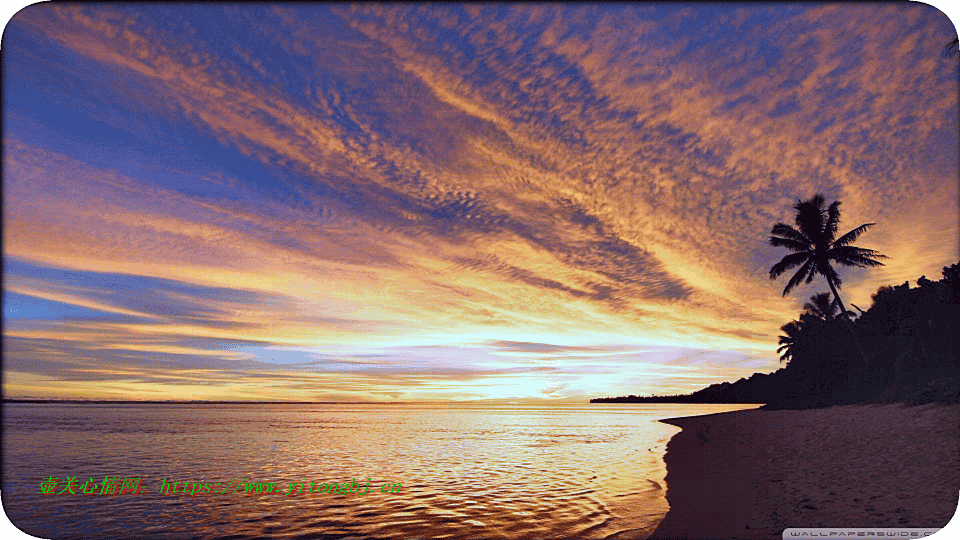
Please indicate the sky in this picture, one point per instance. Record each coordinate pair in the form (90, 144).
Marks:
(454, 202)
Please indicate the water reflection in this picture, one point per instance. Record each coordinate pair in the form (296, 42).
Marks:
(589, 471)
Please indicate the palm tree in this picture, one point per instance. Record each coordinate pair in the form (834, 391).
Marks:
(815, 246)
(821, 307)
(789, 343)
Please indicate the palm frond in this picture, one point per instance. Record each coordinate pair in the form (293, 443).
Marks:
(808, 320)
(790, 261)
(790, 238)
(821, 306)
(856, 256)
(787, 232)
(833, 220)
(831, 274)
(788, 343)
(798, 277)
(835, 306)
(815, 268)
(815, 246)
(852, 235)
(811, 216)
(817, 201)
(789, 243)
(791, 328)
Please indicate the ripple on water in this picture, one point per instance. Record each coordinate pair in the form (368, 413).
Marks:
(588, 472)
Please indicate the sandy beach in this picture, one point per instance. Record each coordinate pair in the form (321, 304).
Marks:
(752, 474)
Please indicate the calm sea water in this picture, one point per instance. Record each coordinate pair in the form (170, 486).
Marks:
(565, 472)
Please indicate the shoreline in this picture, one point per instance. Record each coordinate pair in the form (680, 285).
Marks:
(751, 474)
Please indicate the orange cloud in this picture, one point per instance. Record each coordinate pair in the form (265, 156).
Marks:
(387, 175)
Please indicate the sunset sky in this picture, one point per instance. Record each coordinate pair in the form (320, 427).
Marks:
(401, 203)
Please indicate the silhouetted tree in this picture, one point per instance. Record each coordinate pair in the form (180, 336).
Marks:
(915, 332)
(821, 307)
(789, 344)
(815, 246)
(914, 348)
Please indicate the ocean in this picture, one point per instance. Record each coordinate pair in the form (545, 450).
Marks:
(338, 471)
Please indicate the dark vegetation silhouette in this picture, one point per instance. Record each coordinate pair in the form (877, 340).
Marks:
(821, 307)
(816, 246)
(911, 337)
(904, 349)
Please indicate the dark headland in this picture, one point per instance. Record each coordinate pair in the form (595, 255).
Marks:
(904, 349)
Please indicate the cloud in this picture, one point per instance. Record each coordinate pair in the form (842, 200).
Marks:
(331, 178)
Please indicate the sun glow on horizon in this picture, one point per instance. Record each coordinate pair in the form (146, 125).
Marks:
(402, 203)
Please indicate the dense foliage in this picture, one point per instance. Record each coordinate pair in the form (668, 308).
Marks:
(905, 348)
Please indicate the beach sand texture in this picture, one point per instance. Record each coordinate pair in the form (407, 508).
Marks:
(752, 474)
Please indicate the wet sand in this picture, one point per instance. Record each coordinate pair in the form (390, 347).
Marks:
(752, 474)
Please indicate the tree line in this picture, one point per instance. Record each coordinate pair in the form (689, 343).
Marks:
(904, 348)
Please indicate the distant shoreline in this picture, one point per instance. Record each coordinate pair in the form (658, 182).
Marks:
(751, 474)
(197, 402)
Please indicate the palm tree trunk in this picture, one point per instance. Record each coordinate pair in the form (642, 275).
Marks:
(843, 311)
